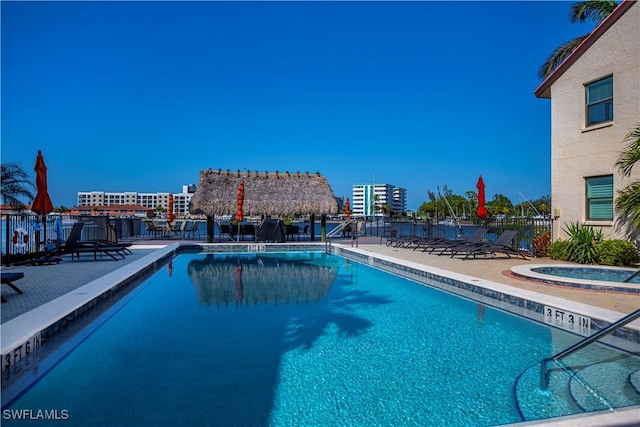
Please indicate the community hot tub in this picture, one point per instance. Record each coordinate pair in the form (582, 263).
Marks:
(603, 278)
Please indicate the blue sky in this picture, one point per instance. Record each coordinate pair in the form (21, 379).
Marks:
(142, 96)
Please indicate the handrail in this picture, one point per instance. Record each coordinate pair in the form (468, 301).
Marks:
(628, 279)
(544, 373)
(339, 228)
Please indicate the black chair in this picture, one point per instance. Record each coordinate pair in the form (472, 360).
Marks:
(74, 246)
(225, 230)
(291, 230)
(304, 232)
(503, 244)
(8, 278)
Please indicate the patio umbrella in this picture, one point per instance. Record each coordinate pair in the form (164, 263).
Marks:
(170, 216)
(42, 204)
(239, 204)
(482, 211)
(347, 210)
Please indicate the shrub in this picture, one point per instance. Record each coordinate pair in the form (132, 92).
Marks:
(541, 244)
(559, 250)
(618, 253)
(583, 243)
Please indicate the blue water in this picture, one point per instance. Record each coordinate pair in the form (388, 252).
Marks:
(304, 339)
(590, 273)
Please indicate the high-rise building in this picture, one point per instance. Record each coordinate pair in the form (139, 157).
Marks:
(366, 197)
(181, 201)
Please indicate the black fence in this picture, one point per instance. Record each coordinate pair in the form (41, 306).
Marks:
(528, 229)
(24, 236)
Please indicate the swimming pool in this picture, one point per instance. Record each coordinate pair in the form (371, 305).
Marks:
(605, 278)
(289, 339)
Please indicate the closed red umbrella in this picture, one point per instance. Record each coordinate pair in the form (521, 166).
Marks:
(240, 202)
(347, 209)
(170, 216)
(482, 211)
(239, 207)
(42, 204)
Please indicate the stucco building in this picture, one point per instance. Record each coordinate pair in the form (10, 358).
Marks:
(88, 201)
(595, 102)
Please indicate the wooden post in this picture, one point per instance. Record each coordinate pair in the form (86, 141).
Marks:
(312, 225)
(323, 228)
(210, 228)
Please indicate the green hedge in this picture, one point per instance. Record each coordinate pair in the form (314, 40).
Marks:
(588, 247)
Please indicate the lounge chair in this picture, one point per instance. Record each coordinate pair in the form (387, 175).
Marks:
(111, 241)
(503, 244)
(444, 245)
(391, 236)
(410, 241)
(424, 242)
(8, 278)
(415, 242)
(75, 247)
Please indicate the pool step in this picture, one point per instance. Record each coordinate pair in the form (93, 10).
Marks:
(606, 385)
(612, 384)
(534, 404)
(634, 381)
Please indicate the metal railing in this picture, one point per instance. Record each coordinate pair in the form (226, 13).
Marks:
(544, 372)
(528, 228)
(23, 236)
(339, 229)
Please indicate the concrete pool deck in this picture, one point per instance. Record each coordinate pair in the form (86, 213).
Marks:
(46, 288)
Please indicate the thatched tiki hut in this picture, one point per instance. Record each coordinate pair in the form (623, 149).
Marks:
(219, 281)
(268, 194)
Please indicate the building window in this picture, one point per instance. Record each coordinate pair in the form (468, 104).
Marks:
(600, 198)
(599, 96)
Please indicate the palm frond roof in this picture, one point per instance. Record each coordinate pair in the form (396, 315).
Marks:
(265, 193)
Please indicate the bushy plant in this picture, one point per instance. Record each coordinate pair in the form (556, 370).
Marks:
(559, 249)
(618, 253)
(541, 244)
(583, 241)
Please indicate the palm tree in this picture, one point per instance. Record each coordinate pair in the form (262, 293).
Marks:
(628, 201)
(15, 183)
(591, 10)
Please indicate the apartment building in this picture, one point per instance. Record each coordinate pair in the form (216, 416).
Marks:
(150, 201)
(365, 198)
(595, 102)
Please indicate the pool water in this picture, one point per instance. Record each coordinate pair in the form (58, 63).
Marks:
(591, 273)
(296, 339)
